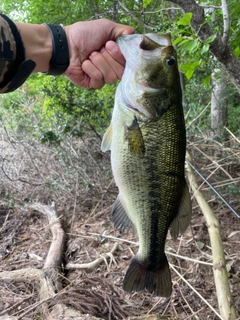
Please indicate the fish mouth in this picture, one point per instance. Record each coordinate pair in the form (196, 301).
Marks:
(129, 106)
(148, 89)
(134, 102)
(141, 111)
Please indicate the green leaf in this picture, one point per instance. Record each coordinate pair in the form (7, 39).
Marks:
(189, 73)
(192, 65)
(205, 48)
(176, 41)
(207, 80)
(237, 52)
(192, 45)
(183, 42)
(189, 68)
(146, 3)
(210, 39)
(185, 20)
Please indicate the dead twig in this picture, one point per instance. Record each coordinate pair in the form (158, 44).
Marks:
(95, 263)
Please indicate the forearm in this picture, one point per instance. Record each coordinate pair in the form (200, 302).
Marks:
(24, 48)
(37, 42)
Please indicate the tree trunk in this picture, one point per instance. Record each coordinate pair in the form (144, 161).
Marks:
(218, 103)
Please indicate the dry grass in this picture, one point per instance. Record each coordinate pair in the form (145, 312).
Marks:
(77, 177)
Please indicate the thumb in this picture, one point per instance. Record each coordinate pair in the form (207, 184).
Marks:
(122, 29)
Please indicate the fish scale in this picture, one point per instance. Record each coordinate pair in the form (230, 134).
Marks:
(147, 140)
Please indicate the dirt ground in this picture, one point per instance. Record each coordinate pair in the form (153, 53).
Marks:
(84, 210)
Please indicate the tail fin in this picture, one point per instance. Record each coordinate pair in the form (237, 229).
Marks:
(156, 281)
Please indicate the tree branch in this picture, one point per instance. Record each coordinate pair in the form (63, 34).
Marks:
(133, 16)
(226, 22)
(218, 48)
(57, 248)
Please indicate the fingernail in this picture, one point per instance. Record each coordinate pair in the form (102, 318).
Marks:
(111, 46)
(93, 53)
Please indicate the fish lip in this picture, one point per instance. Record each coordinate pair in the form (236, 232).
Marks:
(129, 106)
(145, 114)
(147, 88)
(134, 106)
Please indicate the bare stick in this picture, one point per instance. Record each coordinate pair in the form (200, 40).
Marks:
(55, 253)
(95, 263)
(225, 301)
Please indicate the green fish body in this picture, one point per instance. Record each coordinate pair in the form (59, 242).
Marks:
(147, 140)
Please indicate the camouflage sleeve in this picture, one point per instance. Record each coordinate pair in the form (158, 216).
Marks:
(14, 69)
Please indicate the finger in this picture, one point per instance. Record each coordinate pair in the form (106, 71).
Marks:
(104, 65)
(116, 66)
(122, 29)
(115, 52)
(96, 80)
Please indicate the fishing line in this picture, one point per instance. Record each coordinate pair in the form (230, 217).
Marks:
(217, 193)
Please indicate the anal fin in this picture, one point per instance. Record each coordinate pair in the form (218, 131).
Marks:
(119, 216)
(183, 218)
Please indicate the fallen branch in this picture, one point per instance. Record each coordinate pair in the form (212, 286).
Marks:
(95, 263)
(225, 301)
(56, 250)
(48, 278)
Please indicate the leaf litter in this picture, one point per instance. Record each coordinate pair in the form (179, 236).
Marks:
(83, 195)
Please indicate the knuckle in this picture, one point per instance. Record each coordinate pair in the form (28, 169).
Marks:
(111, 78)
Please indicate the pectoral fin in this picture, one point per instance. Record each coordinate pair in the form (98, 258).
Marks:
(182, 220)
(107, 139)
(135, 139)
(120, 218)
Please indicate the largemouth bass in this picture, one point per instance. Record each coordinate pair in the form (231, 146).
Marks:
(147, 140)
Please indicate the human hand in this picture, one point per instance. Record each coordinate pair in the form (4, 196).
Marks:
(95, 58)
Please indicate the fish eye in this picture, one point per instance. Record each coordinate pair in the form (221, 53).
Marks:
(170, 61)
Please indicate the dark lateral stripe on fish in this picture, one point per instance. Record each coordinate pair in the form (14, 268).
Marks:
(157, 241)
(172, 174)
